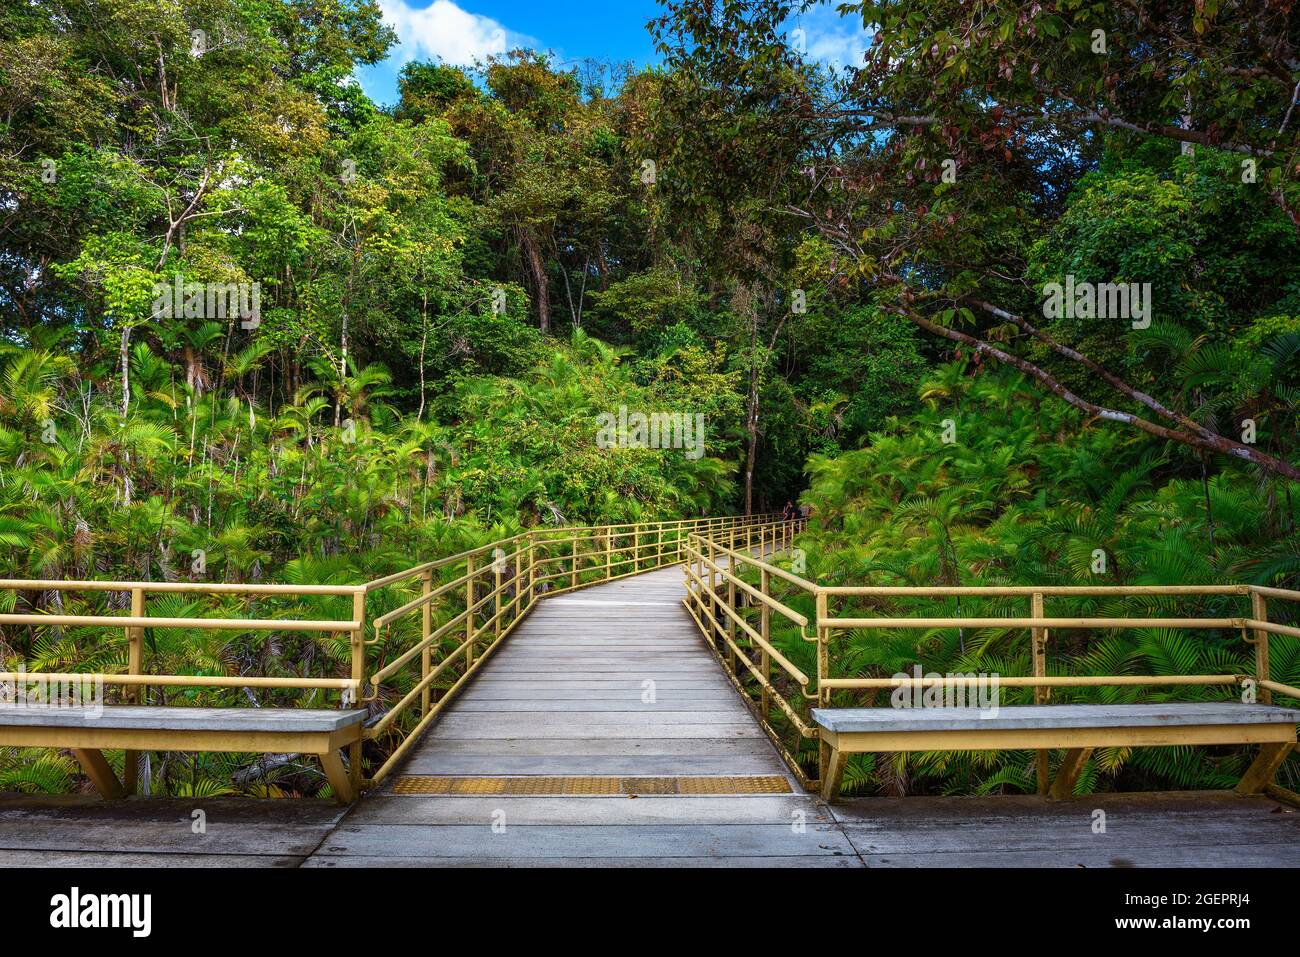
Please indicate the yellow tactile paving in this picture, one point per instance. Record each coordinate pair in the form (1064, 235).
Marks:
(424, 785)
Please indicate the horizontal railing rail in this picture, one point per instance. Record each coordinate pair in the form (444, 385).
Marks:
(736, 592)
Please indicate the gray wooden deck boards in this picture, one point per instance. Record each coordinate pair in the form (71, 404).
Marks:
(85, 831)
(563, 696)
(183, 719)
(1168, 714)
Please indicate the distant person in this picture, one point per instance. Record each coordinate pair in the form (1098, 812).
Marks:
(787, 514)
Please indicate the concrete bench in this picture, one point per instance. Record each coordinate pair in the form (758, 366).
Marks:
(87, 731)
(1079, 728)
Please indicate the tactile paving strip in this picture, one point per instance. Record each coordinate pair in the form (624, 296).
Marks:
(423, 784)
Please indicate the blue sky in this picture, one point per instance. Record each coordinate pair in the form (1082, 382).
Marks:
(462, 31)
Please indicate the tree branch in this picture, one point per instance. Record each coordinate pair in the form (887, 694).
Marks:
(1210, 443)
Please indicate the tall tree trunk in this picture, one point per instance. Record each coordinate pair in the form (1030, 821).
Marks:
(343, 371)
(537, 270)
(424, 341)
(749, 302)
(124, 354)
(751, 428)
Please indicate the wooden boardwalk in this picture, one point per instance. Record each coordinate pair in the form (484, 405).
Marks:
(610, 696)
(595, 686)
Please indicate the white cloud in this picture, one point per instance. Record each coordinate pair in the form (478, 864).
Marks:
(444, 31)
(837, 49)
(830, 38)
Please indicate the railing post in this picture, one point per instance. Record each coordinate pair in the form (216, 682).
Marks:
(358, 676)
(765, 629)
(823, 656)
(497, 564)
(139, 693)
(1041, 693)
(636, 548)
(573, 563)
(469, 612)
(1259, 611)
(712, 600)
(426, 629)
(532, 570)
(823, 695)
(609, 554)
(731, 622)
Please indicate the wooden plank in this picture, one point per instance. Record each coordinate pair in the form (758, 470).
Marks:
(586, 660)
(614, 644)
(536, 723)
(601, 862)
(145, 834)
(657, 670)
(279, 720)
(669, 724)
(624, 705)
(595, 618)
(585, 841)
(1019, 739)
(485, 683)
(631, 765)
(1034, 717)
(172, 739)
(602, 730)
(1200, 829)
(604, 627)
(1224, 855)
(605, 650)
(921, 808)
(631, 693)
(79, 809)
(101, 859)
(754, 809)
(1047, 832)
(556, 647)
(648, 747)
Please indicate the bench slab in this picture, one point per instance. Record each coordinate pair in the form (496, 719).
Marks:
(147, 718)
(1044, 717)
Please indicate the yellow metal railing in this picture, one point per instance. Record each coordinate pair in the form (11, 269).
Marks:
(137, 682)
(733, 594)
(491, 587)
(450, 614)
(735, 617)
